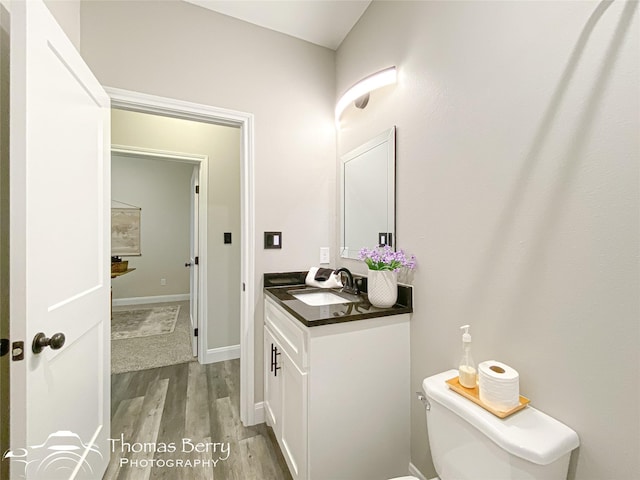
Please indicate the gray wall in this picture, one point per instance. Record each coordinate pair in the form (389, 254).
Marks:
(178, 50)
(162, 189)
(517, 175)
(67, 14)
(222, 146)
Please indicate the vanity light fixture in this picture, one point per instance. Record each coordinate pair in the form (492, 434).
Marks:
(360, 91)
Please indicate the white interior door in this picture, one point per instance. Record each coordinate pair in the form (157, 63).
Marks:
(193, 258)
(59, 248)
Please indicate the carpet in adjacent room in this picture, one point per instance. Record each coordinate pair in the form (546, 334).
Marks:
(150, 336)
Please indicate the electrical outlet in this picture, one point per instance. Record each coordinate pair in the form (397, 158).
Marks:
(324, 255)
(163, 282)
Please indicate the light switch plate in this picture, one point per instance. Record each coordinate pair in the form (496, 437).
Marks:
(324, 255)
(272, 239)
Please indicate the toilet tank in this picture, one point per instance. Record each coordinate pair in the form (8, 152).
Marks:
(469, 443)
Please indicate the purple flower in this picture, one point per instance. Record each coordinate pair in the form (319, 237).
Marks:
(385, 258)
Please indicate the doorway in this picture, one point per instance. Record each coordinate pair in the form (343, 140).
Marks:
(170, 189)
(250, 414)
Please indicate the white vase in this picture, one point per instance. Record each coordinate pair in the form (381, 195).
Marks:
(382, 288)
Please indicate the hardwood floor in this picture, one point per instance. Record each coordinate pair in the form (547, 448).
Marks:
(183, 422)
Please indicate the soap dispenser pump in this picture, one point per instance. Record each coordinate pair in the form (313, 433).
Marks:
(467, 368)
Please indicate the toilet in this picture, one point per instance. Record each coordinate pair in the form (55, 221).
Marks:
(469, 443)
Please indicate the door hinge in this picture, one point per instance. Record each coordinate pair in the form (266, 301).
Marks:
(197, 260)
(195, 332)
(244, 287)
(197, 188)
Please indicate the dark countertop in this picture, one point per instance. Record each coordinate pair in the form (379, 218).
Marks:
(280, 286)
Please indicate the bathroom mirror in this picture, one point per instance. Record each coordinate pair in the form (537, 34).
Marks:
(368, 195)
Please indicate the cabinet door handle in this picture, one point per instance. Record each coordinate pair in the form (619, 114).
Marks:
(272, 357)
(275, 362)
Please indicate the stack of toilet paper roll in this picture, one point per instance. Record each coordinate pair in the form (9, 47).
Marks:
(499, 385)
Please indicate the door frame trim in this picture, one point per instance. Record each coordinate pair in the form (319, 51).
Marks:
(202, 162)
(142, 102)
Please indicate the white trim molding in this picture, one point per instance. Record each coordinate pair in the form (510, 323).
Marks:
(142, 102)
(117, 302)
(259, 412)
(248, 247)
(139, 152)
(221, 354)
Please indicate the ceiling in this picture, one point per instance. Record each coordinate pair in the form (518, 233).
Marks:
(323, 22)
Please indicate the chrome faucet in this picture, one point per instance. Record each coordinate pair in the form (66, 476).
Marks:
(351, 286)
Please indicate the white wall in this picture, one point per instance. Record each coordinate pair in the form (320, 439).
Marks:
(517, 189)
(222, 146)
(178, 50)
(162, 189)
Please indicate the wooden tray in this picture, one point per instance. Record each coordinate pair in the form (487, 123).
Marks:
(474, 395)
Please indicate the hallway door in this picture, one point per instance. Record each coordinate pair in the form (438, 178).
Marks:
(59, 254)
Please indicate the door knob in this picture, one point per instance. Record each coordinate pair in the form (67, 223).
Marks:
(188, 264)
(40, 341)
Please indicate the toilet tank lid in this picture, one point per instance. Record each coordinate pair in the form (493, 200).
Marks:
(529, 434)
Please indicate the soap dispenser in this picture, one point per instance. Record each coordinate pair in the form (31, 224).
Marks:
(467, 369)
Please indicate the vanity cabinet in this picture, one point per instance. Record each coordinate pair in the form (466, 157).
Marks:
(286, 404)
(273, 387)
(338, 396)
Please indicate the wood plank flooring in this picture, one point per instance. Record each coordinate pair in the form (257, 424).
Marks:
(182, 422)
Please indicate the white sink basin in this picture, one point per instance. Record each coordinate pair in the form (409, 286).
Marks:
(316, 299)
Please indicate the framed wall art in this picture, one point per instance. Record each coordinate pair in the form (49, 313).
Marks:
(125, 231)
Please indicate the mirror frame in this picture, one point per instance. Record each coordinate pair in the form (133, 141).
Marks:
(388, 137)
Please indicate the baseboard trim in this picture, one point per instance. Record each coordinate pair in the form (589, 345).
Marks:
(259, 412)
(221, 354)
(156, 299)
(413, 470)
